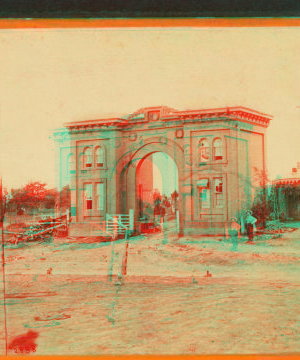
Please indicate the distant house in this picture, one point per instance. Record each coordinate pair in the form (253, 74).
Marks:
(288, 190)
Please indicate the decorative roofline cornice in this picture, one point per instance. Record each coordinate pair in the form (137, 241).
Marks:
(230, 113)
(290, 181)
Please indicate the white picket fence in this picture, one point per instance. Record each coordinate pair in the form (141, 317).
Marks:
(122, 221)
(115, 224)
(120, 224)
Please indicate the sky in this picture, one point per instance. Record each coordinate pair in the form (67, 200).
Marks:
(165, 174)
(52, 76)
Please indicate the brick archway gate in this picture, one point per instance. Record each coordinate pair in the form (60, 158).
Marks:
(127, 171)
(214, 150)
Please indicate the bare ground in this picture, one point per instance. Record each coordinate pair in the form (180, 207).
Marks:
(167, 305)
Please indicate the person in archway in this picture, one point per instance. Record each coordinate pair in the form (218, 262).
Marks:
(146, 212)
(162, 219)
(162, 213)
(250, 225)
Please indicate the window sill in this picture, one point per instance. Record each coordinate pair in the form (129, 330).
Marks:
(85, 170)
(215, 162)
(220, 161)
(91, 213)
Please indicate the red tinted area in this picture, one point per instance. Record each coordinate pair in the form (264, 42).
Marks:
(24, 343)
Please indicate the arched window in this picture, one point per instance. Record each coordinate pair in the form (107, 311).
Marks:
(88, 158)
(203, 151)
(217, 149)
(99, 156)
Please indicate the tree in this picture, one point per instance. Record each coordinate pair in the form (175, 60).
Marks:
(3, 202)
(261, 176)
(260, 208)
(30, 197)
(273, 202)
(65, 199)
(49, 199)
(292, 196)
(16, 199)
(157, 199)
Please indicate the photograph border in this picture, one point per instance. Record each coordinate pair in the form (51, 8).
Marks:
(47, 23)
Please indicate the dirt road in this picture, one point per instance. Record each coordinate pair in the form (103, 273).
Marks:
(167, 305)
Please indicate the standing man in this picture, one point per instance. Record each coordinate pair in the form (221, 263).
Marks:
(250, 225)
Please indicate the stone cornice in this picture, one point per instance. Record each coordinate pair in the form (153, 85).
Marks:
(290, 181)
(241, 114)
(60, 135)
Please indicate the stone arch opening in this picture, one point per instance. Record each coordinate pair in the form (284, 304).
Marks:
(132, 175)
(156, 183)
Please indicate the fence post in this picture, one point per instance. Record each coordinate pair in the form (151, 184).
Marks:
(116, 226)
(111, 262)
(125, 257)
(177, 221)
(131, 219)
(67, 228)
(119, 222)
(113, 238)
